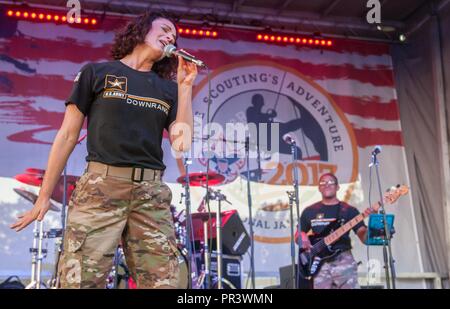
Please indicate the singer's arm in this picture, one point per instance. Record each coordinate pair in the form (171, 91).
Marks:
(181, 130)
(62, 147)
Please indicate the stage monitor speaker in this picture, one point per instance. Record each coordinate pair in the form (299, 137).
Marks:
(235, 239)
(286, 280)
(231, 270)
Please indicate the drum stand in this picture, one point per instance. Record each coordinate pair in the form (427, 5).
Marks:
(188, 243)
(113, 281)
(206, 252)
(53, 282)
(37, 255)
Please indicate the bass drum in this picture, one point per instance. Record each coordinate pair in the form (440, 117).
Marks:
(183, 283)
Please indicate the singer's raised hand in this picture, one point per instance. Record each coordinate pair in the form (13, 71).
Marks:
(38, 212)
(186, 73)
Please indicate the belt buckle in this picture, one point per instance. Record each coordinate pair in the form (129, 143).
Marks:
(141, 175)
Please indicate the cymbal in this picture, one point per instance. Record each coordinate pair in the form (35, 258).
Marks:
(199, 179)
(34, 171)
(29, 179)
(34, 177)
(32, 197)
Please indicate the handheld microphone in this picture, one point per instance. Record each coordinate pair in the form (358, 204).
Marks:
(288, 139)
(376, 150)
(170, 50)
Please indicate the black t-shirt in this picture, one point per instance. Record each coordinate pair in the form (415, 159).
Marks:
(127, 111)
(318, 218)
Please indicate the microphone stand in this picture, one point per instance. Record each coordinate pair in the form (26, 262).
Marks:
(187, 200)
(250, 218)
(387, 252)
(294, 197)
(291, 214)
(37, 255)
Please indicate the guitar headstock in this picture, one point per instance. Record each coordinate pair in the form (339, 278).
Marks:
(392, 195)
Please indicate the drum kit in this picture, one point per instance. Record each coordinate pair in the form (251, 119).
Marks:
(200, 268)
(194, 271)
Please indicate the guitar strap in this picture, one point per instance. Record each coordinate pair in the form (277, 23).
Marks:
(338, 215)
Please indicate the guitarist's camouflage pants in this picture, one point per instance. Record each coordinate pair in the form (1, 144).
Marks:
(339, 273)
(104, 210)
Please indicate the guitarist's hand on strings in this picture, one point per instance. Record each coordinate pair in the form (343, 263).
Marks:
(306, 244)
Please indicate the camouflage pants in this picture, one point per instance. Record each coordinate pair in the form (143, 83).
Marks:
(106, 210)
(339, 273)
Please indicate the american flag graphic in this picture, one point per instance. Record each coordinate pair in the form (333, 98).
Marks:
(39, 62)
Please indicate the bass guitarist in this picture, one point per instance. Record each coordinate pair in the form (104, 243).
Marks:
(317, 221)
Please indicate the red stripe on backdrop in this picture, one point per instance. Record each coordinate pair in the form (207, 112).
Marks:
(69, 52)
(368, 108)
(42, 49)
(381, 76)
(372, 137)
(24, 113)
(59, 88)
(41, 85)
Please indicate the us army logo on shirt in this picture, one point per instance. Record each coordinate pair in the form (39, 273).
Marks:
(115, 87)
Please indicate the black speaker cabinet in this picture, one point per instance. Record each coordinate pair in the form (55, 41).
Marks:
(231, 270)
(235, 239)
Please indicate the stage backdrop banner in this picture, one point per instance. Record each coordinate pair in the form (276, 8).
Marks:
(338, 102)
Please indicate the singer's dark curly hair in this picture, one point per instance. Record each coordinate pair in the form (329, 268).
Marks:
(133, 34)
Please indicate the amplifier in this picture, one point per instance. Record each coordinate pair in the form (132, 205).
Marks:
(235, 239)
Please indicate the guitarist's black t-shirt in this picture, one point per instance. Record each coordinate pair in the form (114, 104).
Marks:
(322, 220)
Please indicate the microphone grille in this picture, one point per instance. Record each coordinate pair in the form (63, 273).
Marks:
(168, 50)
